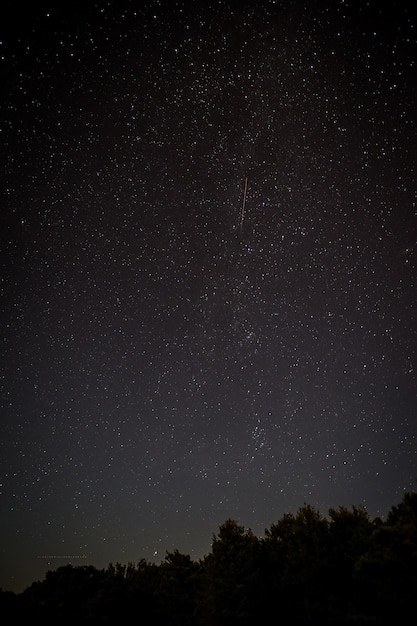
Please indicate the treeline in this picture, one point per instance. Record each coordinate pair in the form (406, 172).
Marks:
(306, 570)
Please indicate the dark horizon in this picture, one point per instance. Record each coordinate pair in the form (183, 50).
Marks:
(56, 562)
(306, 569)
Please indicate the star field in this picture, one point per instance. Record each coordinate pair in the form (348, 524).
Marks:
(167, 365)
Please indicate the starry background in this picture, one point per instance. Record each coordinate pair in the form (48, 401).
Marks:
(168, 360)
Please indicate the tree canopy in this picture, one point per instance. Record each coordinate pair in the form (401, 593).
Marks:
(307, 569)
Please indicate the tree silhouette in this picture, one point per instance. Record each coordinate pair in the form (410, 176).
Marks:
(177, 591)
(387, 570)
(349, 535)
(297, 549)
(235, 574)
(306, 570)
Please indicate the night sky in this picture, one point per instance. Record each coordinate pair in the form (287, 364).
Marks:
(208, 270)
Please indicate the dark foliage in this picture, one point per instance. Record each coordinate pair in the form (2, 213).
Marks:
(308, 569)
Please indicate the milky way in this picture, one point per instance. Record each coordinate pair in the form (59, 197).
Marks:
(209, 240)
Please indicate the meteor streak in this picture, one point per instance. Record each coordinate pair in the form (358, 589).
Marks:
(242, 213)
